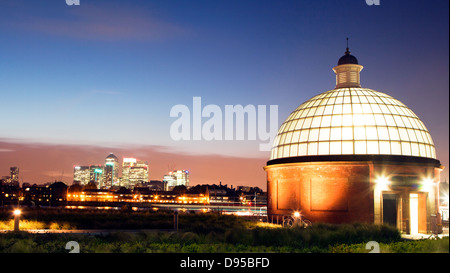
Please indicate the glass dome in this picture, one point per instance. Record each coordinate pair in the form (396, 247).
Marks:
(352, 121)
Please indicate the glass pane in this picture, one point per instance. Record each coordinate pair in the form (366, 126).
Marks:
(360, 132)
(357, 109)
(328, 110)
(335, 148)
(369, 120)
(412, 135)
(288, 138)
(294, 151)
(358, 120)
(326, 121)
(396, 148)
(347, 109)
(324, 134)
(286, 150)
(376, 108)
(335, 134)
(313, 135)
(372, 147)
(383, 133)
(422, 150)
(389, 120)
(415, 149)
(371, 133)
(302, 149)
(316, 122)
(295, 136)
(406, 148)
(393, 133)
(403, 134)
(385, 147)
(336, 121)
(347, 147)
(320, 110)
(299, 124)
(312, 148)
(366, 108)
(360, 147)
(304, 135)
(337, 109)
(307, 123)
(324, 148)
(347, 133)
(379, 120)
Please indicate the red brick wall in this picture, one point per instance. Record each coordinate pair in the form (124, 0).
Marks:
(322, 191)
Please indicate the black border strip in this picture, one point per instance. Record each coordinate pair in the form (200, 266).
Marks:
(392, 159)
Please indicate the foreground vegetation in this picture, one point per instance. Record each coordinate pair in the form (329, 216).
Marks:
(199, 233)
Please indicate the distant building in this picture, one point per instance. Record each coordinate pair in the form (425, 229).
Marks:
(170, 180)
(14, 175)
(96, 175)
(111, 171)
(133, 172)
(81, 175)
(85, 174)
(177, 178)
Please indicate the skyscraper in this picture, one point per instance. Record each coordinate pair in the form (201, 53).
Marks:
(133, 171)
(177, 178)
(96, 175)
(111, 171)
(81, 175)
(14, 175)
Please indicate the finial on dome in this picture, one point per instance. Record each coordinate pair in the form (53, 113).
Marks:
(347, 71)
(347, 58)
(347, 52)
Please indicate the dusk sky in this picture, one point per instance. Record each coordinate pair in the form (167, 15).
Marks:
(79, 82)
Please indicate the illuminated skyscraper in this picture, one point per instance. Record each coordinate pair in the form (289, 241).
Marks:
(96, 175)
(81, 175)
(14, 175)
(133, 172)
(177, 178)
(170, 180)
(111, 171)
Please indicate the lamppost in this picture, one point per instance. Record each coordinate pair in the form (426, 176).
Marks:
(17, 213)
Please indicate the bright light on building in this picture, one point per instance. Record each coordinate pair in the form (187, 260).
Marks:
(427, 184)
(383, 182)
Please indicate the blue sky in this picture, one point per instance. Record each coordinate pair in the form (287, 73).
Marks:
(107, 73)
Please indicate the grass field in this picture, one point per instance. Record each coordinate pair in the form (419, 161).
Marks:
(199, 233)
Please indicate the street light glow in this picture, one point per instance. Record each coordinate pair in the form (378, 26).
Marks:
(17, 212)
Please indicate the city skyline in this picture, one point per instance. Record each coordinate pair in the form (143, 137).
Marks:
(80, 82)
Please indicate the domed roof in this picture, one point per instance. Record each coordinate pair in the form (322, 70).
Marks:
(352, 121)
(347, 58)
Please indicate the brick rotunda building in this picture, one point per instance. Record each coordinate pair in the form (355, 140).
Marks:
(354, 154)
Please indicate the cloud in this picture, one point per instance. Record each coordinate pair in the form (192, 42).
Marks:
(106, 22)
